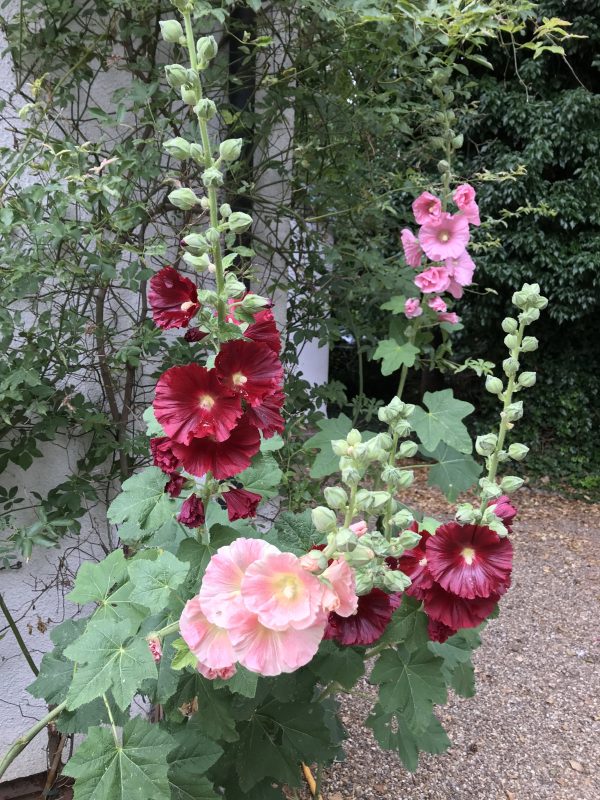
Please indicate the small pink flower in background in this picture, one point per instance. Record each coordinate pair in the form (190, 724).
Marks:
(412, 309)
(464, 197)
(413, 253)
(434, 279)
(426, 207)
(359, 528)
(209, 643)
(449, 316)
(445, 237)
(155, 648)
(340, 596)
(437, 304)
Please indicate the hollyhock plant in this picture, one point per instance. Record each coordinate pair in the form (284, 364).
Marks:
(173, 299)
(192, 512)
(427, 208)
(249, 369)
(413, 252)
(162, 454)
(434, 279)
(446, 237)
(267, 416)
(241, 503)
(412, 308)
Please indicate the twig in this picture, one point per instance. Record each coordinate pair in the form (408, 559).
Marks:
(18, 637)
(52, 772)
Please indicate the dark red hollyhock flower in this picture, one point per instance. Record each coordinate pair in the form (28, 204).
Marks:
(223, 459)
(438, 632)
(505, 510)
(267, 416)
(457, 612)
(192, 512)
(195, 335)
(414, 564)
(173, 298)
(175, 484)
(469, 560)
(191, 402)
(250, 369)
(160, 447)
(241, 503)
(264, 330)
(366, 626)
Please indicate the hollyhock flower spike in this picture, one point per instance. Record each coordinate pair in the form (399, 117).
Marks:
(427, 208)
(241, 503)
(434, 279)
(412, 308)
(446, 237)
(173, 299)
(413, 252)
(249, 369)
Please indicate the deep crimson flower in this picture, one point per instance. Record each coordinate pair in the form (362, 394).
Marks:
(438, 632)
(195, 335)
(191, 402)
(414, 564)
(505, 510)
(264, 330)
(250, 369)
(192, 512)
(173, 298)
(457, 612)
(223, 459)
(267, 416)
(366, 626)
(175, 484)
(160, 447)
(241, 503)
(469, 560)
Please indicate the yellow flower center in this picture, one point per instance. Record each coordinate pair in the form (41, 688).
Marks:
(188, 304)
(444, 236)
(206, 402)
(469, 555)
(423, 562)
(288, 587)
(238, 379)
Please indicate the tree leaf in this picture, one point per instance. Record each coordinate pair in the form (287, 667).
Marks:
(143, 500)
(153, 581)
(442, 422)
(94, 581)
(395, 355)
(454, 472)
(326, 461)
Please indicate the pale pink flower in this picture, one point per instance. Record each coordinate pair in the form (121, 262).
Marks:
(461, 271)
(310, 563)
(220, 593)
(270, 652)
(209, 643)
(449, 316)
(426, 207)
(281, 593)
(412, 308)
(225, 674)
(412, 249)
(464, 197)
(437, 304)
(445, 237)
(359, 528)
(339, 592)
(434, 279)
(155, 648)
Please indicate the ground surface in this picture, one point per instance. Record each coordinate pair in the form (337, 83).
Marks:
(533, 730)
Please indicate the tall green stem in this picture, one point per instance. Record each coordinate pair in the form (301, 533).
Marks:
(22, 742)
(18, 637)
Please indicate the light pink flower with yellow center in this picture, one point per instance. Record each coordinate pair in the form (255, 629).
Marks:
(209, 643)
(461, 271)
(445, 237)
(427, 207)
(339, 592)
(281, 592)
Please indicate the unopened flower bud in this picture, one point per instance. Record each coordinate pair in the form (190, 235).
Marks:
(155, 648)
(529, 344)
(350, 476)
(212, 235)
(354, 437)
(510, 367)
(529, 316)
(495, 524)
(201, 262)
(206, 49)
(502, 456)
(195, 240)
(485, 445)
(230, 149)
(518, 451)
(466, 514)
(402, 518)
(205, 203)
(225, 210)
(489, 489)
(176, 75)
(177, 147)
(395, 581)
(408, 450)
(405, 479)
(184, 199)
(253, 303)
(239, 222)
(514, 411)
(527, 379)
(335, 496)
(510, 483)
(314, 561)
(510, 340)
(364, 582)
(339, 447)
(189, 94)
(510, 325)
(360, 528)
(360, 556)
(323, 519)
(205, 108)
(443, 167)
(197, 153)
(409, 539)
(212, 177)
(493, 385)
(171, 30)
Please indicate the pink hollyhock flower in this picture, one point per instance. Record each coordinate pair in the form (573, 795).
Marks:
(221, 590)
(471, 214)
(414, 564)
(190, 402)
(212, 674)
(160, 447)
(438, 632)
(469, 560)
(175, 484)
(264, 330)
(434, 279)
(445, 237)
(271, 652)
(267, 416)
(413, 252)
(209, 643)
(155, 648)
(192, 512)
(449, 316)
(412, 308)
(281, 593)
(427, 208)
(464, 197)
(437, 304)
(457, 612)
(173, 299)
(223, 459)
(339, 594)
(359, 528)
(195, 335)
(241, 503)
(372, 616)
(310, 563)
(461, 271)
(504, 510)
(249, 369)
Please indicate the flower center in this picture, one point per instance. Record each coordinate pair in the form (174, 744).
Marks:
(206, 402)
(238, 379)
(288, 587)
(187, 305)
(444, 236)
(469, 555)
(423, 562)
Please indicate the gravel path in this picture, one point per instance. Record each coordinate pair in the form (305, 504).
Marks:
(533, 730)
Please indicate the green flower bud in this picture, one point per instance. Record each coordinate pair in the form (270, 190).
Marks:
(195, 240)
(510, 367)
(239, 222)
(198, 262)
(391, 475)
(225, 210)
(529, 344)
(510, 483)
(176, 75)
(502, 456)
(230, 149)
(510, 325)
(489, 489)
(495, 524)
(493, 385)
(402, 518)
(205, 203)
(395, 581)
(339, 447)
(184, 199)
(527, 379)
(364, 582)
(205, 108)
(406, 479)
(344, 539)
(409, 539)
(485, 445)
(518, 451)
(323, 519)
(206, 49)
(514, 411)
(529, 316)
(408, 450)
(350, 476)
(235, 288)
(212, 235)
(197, 153)
(466, 514)
(379, 499)
(177, 147)
(360, 556)
(354, 437)
(253, 303)
(189, 94)
(171, 30)
(212, 177)
(401, 427)
(443, 167)
(336, 497)
(510, 340)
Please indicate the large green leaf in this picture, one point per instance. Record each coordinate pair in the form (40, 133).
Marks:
(135, 769)
(153, 581)
(457, 652)
(392, 733)
(394, 355)
(454, 472)
(143, 500)
(294, 533)
(94, 581)
(442, 422)
(339, 664)
(214, 717)
(263, 476)
(408, 625)
(326, 461)
(191, 758)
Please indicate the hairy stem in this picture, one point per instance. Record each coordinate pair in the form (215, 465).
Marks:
(18, 637)
(21, 743)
